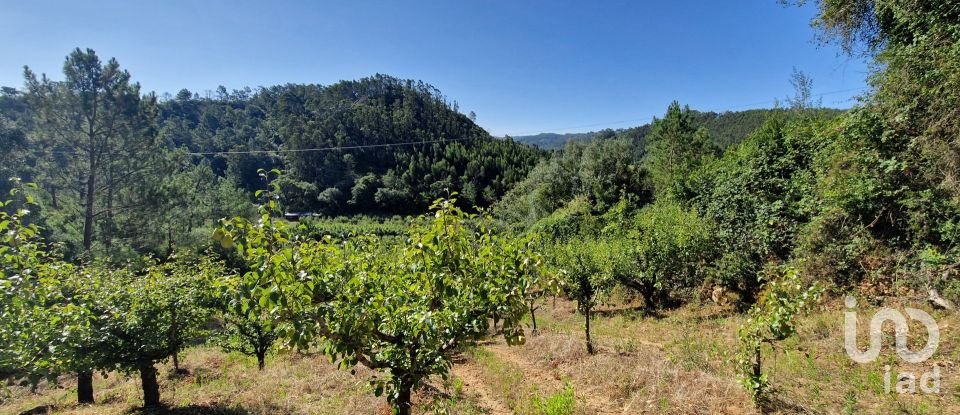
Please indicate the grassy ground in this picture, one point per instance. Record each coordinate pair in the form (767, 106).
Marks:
(229, 384)
(684, 362)
(680, 362)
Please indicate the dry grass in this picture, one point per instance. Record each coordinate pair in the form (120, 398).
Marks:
(230, 384)
(683, 362)
(637, 379)
(679, 362)
(813, 372)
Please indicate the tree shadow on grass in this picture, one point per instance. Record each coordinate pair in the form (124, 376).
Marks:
(40, 410)
(632, 312)
(163, 410)
(459, 359)
(776, 402)
(214, 409)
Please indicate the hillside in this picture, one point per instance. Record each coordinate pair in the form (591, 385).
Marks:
(375, 145)
(725, 128)
(552, 141)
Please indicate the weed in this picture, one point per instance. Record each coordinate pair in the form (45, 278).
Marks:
(560, 403)
(850, 403)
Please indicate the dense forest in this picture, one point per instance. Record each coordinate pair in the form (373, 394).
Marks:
(137, 227)
(376, 146)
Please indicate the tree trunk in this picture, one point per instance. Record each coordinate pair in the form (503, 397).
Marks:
(533, 318)
(404, 404)
(108, 236)
(85, 387)
(757, 370)
(173, 338)
(586, 314)
(88, 208)
(90, 196)
(261, 359)
(151, 389)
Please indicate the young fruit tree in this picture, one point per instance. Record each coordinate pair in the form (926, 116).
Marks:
(136, 314)
(251, 324)
(249, 327)
(666, 253)
(24, 321)
(43, 333)
(585, 271)
(772, 320)
(403, 309)
(538, 284)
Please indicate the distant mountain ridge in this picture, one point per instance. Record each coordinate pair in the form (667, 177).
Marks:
(725, 128)
(550, 141)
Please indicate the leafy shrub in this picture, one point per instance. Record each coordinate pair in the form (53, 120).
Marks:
(575, 219)
(667, 253)
(757, 197)
(771, 320)
(340, 227)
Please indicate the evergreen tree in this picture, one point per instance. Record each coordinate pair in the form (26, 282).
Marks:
(97, 131)
(676, 148)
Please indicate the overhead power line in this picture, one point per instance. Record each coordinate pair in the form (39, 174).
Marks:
(306, 150)
(298, 150)
(413, 143)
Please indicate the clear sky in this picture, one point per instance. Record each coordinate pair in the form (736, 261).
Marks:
(523, 66)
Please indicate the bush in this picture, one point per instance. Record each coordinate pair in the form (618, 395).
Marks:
(668, 253)
(575, 219)
(757, 196)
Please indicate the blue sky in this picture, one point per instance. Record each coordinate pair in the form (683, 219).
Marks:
(523, 66)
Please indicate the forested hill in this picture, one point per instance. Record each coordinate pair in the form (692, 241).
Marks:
(375, 145)
(725, 128)
(111, 168)
(379, 144)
